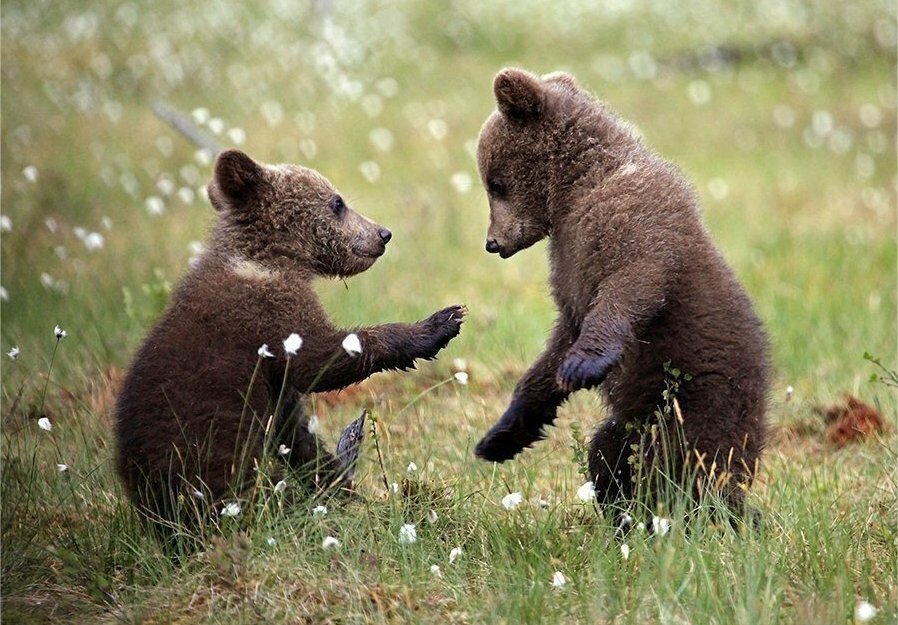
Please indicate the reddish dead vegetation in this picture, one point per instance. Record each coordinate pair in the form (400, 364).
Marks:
(852, 420)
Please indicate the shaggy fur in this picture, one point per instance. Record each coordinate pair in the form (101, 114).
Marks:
(638, 283)
(184, 421)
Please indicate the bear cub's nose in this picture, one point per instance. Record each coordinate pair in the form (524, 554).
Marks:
(385, 235)
(491, 246)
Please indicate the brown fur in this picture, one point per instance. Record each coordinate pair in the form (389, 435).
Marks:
(181, 420)
(637, 281)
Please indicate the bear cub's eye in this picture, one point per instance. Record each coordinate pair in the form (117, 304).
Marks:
(338, 206)
(495, 187)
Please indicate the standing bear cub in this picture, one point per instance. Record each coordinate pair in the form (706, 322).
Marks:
(196, 412)
(642, 295)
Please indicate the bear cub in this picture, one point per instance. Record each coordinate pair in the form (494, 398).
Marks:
(195, 413)
(642, 295)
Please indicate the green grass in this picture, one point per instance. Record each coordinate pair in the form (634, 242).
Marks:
(809, 229)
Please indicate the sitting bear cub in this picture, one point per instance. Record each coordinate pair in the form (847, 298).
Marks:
(195, 413)
(641, 290)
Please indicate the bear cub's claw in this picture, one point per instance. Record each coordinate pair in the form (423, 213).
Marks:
(443, 326)
(578, 371)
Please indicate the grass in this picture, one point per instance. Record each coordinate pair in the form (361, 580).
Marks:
(804, 211)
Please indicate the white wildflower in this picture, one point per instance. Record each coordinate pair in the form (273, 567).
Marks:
(4, 294)
(79, 232)
(586, 492)
(292, 344)
(330, 542)
(370, 171)
(200, 115)
(60, 333)
(394, 487)
(154, 205)
(625, 551)
(216, 125)
(407, 534)
(62, 468)
(435, 570)
(94, 241)
(432, 516)
(44, 424)
(319, 510)
(51, 225)
(660, 525)
(461, 181)
(237, 136)
(790, 390)
(459, 364)
(270, 541)
(106, 223)
(314, 424)
(411, 468)
(13, 353)
(352, 345)
(198, 493)
(280, 487)
(461, 377)
(455, 554)
(264, 352)
(30, 173)
(5, 223)
(512, 500)
(283, 450)
(187, 195)
(559, 580)
(640, 526)
(864, 611)
(231, 509)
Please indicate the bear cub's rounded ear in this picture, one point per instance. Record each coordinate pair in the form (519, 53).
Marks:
(519, 94)
(235, 178)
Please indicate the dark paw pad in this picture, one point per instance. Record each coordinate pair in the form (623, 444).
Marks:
(578, 371)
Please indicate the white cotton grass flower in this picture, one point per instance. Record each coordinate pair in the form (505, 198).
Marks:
(790, 391)
(62, 468)
(408, 534)
(314, 424)
(264, 352)
(60, 333)
(200, 115)
(319, 510)
(154, 205)
(435, 570)
(231, 509)
(270, 541)
(330, 542)
(411, 468)
(625, 551)
(280, 487)
(864, 611)
(292, 344)
(432, 516)
(559, 580)
(30, 173)
(44, 424)
(5, 223)
(94, 241)
(4, 294)
(586, 492)
(13, 353)
(198, 493)
(352, 345)
(660, 525)
(237, 136)
(283, 450)
(461, 377)
(512, 500)
(640, 526)
(394, 487)
(455, 553)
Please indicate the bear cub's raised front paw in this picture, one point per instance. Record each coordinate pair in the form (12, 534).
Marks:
(580, 371)
(441, 327)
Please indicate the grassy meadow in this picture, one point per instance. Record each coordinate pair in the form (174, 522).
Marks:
(783, 114)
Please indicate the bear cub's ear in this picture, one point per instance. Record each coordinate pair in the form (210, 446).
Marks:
(235, 179)
(519, 94)
(562, 78)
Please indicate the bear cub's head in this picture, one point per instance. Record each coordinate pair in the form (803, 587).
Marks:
(514, 155)
(277, 214)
